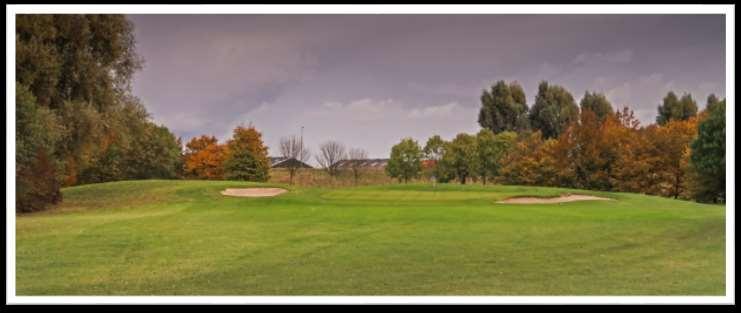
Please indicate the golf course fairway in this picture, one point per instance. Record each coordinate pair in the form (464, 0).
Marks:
(161, 237)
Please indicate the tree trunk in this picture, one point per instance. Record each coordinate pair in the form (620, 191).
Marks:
(676, 185)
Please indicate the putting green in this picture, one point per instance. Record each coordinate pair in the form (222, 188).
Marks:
(184, 238)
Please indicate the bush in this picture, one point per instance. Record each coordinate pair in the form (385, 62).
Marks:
(243, 166)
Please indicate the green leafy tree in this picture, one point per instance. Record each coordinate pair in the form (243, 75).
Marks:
(433, 153)
(242, 165)
(598, 104)
(486, 155)
(153, 153)
(434, 148)
(36, 127)
(490, 149)
(460, 157)
(405, 162)
(522, 122)
(712, 102)
(108, 166)
(76, 57)
(553, 111)
(80, 67)
(38, 179)
(708, 156)
(156, 154)
(503, 108)
(248, 156)
(82, 140)
(673, 108)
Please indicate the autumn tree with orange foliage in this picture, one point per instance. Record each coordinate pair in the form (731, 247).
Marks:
(670, 143)
(632, 168)
(583, 155)
(529, 162)
(204, 158)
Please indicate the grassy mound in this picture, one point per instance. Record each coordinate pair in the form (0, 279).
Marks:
(184, 238)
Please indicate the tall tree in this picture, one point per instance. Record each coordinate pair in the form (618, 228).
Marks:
(76, 57)
(486, 155)
(522, 121)
(676, 109)
(405, 162)
(632, 169)
(708, 156)
(330, 155)
(503, 108)
(37, 135)
(433, 149)
(489, 150)
(433, 153)
(155, 154)
(553, 111)
(670, 142)
(712, 102)
(79, 69)
(293, 148)
(596, 103)
(460, 158)
(584, 156)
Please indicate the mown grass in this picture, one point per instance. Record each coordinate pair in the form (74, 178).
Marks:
(183, 238)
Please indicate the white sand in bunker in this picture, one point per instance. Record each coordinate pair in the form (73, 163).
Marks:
(561, 199)
(253, 192)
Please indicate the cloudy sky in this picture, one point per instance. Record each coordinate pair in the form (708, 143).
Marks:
(369, 80)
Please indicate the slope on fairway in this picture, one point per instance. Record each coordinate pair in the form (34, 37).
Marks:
(183, 238)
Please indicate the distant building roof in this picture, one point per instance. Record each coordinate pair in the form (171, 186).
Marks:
(366, 163)
(275, 160)
(281, 162)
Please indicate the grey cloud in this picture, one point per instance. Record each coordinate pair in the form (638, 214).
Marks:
(369, 80)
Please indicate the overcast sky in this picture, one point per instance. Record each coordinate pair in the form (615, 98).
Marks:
(369, 80)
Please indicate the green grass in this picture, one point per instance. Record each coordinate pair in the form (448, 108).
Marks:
(184, 238)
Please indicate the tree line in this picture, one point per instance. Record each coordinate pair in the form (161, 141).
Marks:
(76, 118)
(589, 146)
(77, 121)
(205, 158)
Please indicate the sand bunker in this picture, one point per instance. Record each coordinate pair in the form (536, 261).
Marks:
(253, 192)
(561, 199)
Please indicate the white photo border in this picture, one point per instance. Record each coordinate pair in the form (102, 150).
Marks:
(727, 10)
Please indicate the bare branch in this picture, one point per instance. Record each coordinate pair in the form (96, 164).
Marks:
(293, 148)
(357, 156)
(330, 154)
